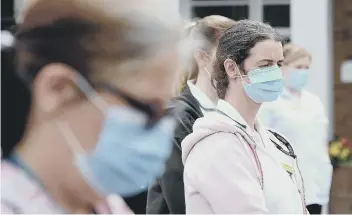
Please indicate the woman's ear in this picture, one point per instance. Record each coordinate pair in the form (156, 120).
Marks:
(53, 87)
(231, 68)
(201, 58)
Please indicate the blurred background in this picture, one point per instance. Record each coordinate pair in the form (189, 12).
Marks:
(323, 27)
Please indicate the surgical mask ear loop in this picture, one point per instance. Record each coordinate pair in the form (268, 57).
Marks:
(240, 75)
(70, 137)
(207, 71)
(96, 99)
(212, 81)
(91, 94)
(205, 68)
(75, 147)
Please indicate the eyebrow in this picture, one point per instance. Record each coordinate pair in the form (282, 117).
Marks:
(270, 60)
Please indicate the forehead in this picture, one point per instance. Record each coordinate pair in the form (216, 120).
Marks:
(267, 49)
(303, 62)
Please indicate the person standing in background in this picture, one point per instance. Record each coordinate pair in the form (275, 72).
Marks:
(166, 195)
(100, 80)
(300, 116)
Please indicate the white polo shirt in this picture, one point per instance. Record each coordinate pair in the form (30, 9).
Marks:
(203, 99)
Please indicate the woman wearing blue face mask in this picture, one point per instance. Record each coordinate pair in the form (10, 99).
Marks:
(232, 164)
(96, 127)
(300, 116)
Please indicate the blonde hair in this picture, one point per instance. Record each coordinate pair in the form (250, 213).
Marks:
(293, 52)
(204, 34)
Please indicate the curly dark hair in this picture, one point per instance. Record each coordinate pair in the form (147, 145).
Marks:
(236, 44)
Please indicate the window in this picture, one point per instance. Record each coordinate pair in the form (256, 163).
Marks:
(233, 12)
(277, 15)
(7, 9)
(274, 12)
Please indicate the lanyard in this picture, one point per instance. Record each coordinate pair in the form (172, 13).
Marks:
(290, 151)
(17, 161)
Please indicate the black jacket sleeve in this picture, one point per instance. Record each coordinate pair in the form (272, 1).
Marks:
(172, 180)
(171, 183)
(167, 193)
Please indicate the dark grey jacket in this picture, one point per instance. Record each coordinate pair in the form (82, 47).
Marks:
(166, 195)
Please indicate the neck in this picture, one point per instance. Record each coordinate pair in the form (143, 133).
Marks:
(205, 86)
(294, 92)
(48, 161)
(244, 106)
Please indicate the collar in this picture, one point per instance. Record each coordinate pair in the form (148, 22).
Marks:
(203, 99)
(287, 95)
(231, 112)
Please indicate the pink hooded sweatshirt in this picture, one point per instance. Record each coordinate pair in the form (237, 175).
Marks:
(221, 174)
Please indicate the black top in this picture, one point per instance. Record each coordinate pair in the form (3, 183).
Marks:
(166, 195)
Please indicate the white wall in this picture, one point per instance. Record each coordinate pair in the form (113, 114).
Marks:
(311, 28)
(185, 9)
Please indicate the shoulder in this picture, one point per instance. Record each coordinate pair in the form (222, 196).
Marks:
(310, 96)
(186, 102)
(220, 148)
(186, 113)
(222, 155)
(313, 101)
(12, 188)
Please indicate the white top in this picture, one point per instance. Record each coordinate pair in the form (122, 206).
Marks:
(203, 99)
(303, 121)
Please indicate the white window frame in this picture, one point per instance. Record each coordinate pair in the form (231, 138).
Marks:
(256, 9)
(284, 31)
(277, 2)
(218, 3)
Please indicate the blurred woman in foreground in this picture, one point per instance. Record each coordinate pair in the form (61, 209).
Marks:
(300, 116)
(233, 164)
(99, 73)
(167, 194)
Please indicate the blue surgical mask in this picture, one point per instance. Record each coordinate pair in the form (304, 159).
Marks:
(298, 79)
(266, 84)
(128, 156)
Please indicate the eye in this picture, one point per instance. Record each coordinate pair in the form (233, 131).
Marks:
(279, 64)
(264, 65)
